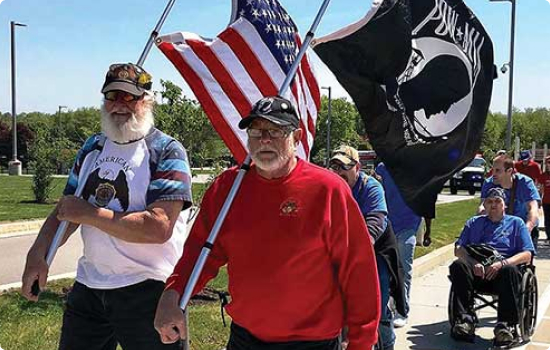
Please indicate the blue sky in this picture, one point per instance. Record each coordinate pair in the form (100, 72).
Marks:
(64, 52)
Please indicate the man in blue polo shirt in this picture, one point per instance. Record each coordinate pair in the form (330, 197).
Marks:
(509, 236)
(369, 194)
(522, 196)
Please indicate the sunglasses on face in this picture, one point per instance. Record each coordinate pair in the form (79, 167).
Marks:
(340, 166)
(273, 133)
(124, 96)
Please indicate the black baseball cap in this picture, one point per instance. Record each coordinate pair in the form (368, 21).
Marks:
(276, 109)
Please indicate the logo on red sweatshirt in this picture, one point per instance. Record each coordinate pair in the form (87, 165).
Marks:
(289, 207)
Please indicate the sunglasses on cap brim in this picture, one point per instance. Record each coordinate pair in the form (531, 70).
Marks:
(125, 96)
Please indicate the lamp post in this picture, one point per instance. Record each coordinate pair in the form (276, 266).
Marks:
(329, 88)
(511, 78)
(59, 125)
(14, 165)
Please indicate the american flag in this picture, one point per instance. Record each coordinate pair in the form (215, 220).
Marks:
(247, 61)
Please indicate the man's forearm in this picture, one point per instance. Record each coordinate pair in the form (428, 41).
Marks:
(518, 259)
(134, 227)
(531, 221)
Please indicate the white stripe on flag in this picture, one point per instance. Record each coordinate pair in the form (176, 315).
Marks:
(223, 103)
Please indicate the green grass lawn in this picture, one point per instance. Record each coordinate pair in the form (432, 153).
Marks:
(25, 325)
(448, 223)
(17, 199)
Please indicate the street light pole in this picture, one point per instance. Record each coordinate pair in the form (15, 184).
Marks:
(329, 115)
(511, 78)
(15, 165)
(59, 125)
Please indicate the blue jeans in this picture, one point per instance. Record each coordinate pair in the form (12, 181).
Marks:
(406, 242)
(386, 323)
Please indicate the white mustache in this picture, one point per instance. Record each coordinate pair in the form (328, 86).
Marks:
(121, 110)
(265, 149)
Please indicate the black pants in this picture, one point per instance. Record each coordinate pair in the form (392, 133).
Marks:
(507, 285)
(546, 211)
(241, 339)
(535, 236)
(99, 319)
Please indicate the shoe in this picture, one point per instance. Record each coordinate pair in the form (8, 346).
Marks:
(504, 334)
(400, 321)
(463, 331)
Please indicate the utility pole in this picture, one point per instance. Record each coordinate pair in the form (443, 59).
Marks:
(60, 124)
(511, 78)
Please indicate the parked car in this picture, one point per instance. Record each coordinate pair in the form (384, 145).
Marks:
(469, 178)
(367, 159)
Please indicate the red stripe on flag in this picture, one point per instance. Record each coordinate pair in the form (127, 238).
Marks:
(250, 62)
(221, 75)
(310, 120)
(210, 108)
(310, 78)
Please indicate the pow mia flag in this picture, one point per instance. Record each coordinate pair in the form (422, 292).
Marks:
(421, 75)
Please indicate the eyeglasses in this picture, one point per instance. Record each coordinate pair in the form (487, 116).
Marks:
(125, 96)
(336, 166)
(273, 133)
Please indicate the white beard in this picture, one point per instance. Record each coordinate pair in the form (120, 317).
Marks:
(135, 128)
(270, 165)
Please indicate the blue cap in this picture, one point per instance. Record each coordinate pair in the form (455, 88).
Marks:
(525, 155)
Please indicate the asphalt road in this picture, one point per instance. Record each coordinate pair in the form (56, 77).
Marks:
(14, 252)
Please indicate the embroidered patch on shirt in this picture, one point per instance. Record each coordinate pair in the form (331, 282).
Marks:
(289, 207)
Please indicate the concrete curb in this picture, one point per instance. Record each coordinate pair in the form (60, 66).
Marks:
(21, 226)
(429, 262)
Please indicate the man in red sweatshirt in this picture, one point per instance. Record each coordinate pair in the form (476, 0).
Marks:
(298, 253)
(527, 166)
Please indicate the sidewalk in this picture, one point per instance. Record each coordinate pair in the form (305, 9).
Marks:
(428, 327)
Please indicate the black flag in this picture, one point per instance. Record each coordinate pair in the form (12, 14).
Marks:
(421, 75)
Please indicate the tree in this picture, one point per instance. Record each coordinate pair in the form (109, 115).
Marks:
(25, 137)
(43, 162)
(344, 128)
(185, 120)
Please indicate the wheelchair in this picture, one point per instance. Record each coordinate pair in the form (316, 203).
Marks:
(527, 304)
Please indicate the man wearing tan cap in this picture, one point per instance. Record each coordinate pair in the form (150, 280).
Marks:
(369, 194)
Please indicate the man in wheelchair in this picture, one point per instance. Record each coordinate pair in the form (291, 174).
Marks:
(490, 250)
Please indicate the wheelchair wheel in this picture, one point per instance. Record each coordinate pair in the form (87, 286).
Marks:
(528, 305)
(450, 307)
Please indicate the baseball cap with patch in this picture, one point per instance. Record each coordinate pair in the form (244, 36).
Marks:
(346, 155)
(276, 109)
(496, 192)
(127, 77)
